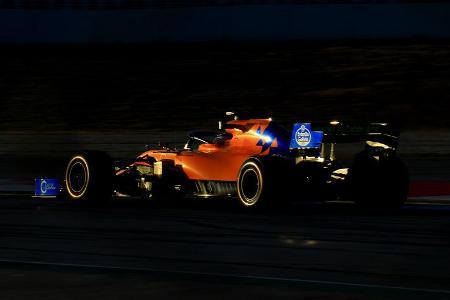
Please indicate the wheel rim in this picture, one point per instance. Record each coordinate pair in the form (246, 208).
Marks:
(250, 186)
(77, 177)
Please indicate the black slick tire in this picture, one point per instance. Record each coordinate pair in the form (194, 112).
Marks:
(379, 184)
(88, 177)
(251, 185)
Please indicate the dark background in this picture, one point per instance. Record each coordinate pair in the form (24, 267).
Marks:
(177, 86)
(291, 61)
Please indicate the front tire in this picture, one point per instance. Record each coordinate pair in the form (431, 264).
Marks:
(88, 177)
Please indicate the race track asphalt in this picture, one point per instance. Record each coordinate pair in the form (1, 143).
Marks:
(211, 250)
(51, 249)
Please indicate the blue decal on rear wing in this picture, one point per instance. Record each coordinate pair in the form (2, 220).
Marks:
(46, 187)
(304, 138)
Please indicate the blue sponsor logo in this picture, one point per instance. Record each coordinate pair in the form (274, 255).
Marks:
(303, 135)
(304, 138)
(46, 187)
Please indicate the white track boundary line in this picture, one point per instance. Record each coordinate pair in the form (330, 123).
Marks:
(431, 198)
(263, 278)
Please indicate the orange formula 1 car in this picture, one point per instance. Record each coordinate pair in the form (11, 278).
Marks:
(257, 162)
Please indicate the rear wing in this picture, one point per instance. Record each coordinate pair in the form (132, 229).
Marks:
(306, 136)
(374, 134)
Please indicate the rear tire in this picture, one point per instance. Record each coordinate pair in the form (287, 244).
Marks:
(379, 185)
(250, 184)
(88, 177)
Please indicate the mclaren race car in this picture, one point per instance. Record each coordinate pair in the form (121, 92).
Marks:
(257, 162)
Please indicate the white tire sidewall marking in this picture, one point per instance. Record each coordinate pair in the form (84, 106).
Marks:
(257, 170)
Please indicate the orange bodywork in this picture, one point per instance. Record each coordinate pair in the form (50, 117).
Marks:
(221, 161)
